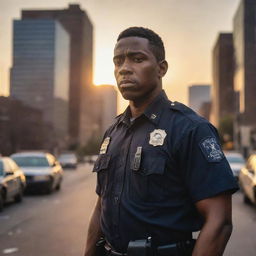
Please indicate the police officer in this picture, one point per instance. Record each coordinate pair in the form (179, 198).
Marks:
(161, 173)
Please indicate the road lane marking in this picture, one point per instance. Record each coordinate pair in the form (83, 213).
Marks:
(10, 250)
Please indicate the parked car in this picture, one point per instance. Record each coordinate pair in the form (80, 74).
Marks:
(42, 170)
(236, 162)
(247, 180)
(92, 159)
(12, 181)
(68, 160)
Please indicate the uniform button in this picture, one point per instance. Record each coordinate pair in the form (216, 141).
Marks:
(116, 199)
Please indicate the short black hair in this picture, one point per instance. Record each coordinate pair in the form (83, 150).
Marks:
(155, 41)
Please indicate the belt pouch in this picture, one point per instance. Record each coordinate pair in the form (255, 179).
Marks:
(100, 249)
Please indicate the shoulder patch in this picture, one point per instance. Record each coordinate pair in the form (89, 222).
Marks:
(211, 149)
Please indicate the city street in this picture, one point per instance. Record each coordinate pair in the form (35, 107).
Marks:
(55, 225)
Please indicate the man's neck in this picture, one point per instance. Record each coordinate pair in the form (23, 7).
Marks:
(138, 107)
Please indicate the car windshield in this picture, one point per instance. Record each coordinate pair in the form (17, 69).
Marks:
(31, 161)
(235, 159)
(1, 168)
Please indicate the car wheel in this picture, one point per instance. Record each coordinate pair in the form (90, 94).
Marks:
(58, 187)
(18, 198)
(247, 200)
(1, 201)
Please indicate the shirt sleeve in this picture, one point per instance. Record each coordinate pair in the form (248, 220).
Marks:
(203, 165)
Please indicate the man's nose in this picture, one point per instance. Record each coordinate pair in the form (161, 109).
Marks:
(125, 68)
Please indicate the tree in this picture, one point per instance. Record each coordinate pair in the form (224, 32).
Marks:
(226, 129)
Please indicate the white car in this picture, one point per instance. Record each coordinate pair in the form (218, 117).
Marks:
(12, 181)
(68, 160)
(236, 162)
(247, 180)
(42, 170)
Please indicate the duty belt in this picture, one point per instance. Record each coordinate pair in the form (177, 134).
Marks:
(168, 249)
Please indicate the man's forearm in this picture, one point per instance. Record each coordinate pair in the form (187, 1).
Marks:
(212, 240)
(94, 231)
(217, 228)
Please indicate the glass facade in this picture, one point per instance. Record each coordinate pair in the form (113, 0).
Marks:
(40, 72)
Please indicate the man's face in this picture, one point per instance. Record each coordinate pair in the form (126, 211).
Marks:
(136, 69)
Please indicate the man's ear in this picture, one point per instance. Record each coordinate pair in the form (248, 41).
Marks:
(163, 67)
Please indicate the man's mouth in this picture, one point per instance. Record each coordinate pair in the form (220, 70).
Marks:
(126, 84)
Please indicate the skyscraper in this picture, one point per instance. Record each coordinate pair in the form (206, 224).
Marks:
(222, 96)
(80, 29)
(40, 72)
(244, 34)
(245, 60)
(197, 95)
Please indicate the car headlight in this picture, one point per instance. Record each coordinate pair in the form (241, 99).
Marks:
(41, 178)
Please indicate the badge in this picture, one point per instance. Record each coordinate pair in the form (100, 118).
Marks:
(104, 146)
(157, 137)
(211, 149)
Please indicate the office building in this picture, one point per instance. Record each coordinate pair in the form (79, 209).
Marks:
(205, 110)
(244, 25)
(106, 106)
(40, 71)
(22, 127)
(78, 25)
(222, 94)
(197, 95)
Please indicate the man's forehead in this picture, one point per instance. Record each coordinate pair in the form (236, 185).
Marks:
(132, 44)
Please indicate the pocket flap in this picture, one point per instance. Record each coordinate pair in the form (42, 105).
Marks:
(153, 165)
(101, 163)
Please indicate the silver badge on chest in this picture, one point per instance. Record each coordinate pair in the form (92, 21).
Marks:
(157, 137)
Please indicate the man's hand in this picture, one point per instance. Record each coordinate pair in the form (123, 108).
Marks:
(217, 213)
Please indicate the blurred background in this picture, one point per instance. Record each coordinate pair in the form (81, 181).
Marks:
(58, 96)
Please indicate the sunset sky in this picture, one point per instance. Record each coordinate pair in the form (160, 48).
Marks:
(189, 29)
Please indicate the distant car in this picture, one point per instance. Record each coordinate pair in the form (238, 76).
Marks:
(42, 170)
(92, 159)
(68, 160)
(247, 180)
(236, 162)
(12, 181)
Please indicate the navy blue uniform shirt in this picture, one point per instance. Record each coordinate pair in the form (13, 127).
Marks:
(151, 171)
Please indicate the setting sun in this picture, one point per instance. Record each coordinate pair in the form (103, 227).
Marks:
(103, 67)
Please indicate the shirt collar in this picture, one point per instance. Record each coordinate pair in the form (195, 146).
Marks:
(152, 113)
(154, 110)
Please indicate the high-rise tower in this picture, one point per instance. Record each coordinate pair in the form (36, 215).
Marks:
(78, 25)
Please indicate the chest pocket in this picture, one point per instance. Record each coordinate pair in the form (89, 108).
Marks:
(101, 166)
(147, 182)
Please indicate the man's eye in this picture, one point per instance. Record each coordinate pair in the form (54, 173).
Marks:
(137, 59)
(117, 62)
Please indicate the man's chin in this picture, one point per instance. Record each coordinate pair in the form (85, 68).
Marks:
(129, 96)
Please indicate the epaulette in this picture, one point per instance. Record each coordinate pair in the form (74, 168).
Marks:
(186, 111)
(119, 116)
